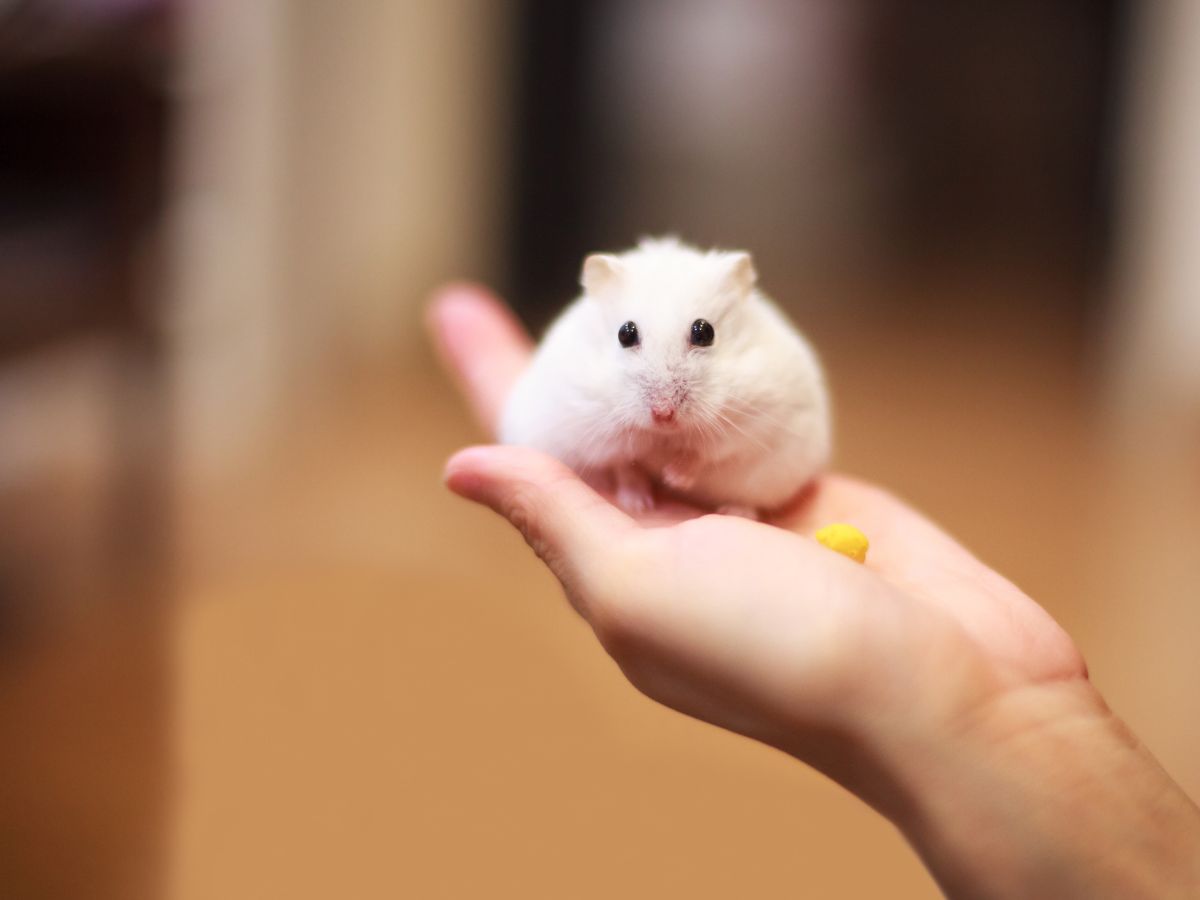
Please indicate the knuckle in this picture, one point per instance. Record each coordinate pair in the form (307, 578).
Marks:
(522, 512)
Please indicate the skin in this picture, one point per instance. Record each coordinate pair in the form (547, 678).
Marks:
(923, 681)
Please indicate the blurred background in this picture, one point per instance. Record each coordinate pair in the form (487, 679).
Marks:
(249, 647)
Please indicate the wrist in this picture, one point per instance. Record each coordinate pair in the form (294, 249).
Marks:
(1042, 791)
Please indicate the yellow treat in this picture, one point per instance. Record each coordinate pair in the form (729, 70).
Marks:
(846, 540)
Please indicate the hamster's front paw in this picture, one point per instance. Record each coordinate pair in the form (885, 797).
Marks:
(679, 475)
(635, 493)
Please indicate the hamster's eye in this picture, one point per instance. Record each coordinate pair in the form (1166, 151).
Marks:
(627, 334)
(702, 334)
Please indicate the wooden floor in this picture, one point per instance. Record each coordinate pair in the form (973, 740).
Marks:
(375, 691)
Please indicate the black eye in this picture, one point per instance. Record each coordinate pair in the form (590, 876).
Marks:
(628, 335)
(702, 333)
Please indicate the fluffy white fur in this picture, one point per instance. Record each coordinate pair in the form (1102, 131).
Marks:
(751, 412)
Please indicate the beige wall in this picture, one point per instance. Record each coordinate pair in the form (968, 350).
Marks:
(335, 161)
(394, 118)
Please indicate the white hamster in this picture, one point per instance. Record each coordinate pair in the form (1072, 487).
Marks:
(673, 368)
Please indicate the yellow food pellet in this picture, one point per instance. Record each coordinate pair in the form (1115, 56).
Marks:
(846, 540)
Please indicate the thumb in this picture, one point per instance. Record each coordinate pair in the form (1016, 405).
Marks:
(568, 525)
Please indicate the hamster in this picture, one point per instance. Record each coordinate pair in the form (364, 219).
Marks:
(672, 368)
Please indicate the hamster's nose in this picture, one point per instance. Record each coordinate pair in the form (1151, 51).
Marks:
(662, 413)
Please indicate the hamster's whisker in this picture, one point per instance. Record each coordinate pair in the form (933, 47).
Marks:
(717, 428)
(760, 413)
(714, 430)
(708, 428)
(734, 425)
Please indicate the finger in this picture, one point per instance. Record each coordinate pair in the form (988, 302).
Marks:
(573, 529)
(907, 549)
(481, 344)
(876, 512)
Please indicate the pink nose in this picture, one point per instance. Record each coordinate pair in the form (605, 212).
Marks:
(662, 414)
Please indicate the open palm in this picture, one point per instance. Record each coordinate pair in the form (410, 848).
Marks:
(754, 626)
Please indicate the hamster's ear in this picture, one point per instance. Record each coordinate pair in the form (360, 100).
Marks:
(742, 275)
(735, 279)
(600, 272)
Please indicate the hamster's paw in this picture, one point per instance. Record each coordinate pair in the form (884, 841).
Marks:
(742, 512)
(635, 493)
(679, 476)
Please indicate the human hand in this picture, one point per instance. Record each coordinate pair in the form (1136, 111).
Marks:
(898, 678)
(755, 626)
